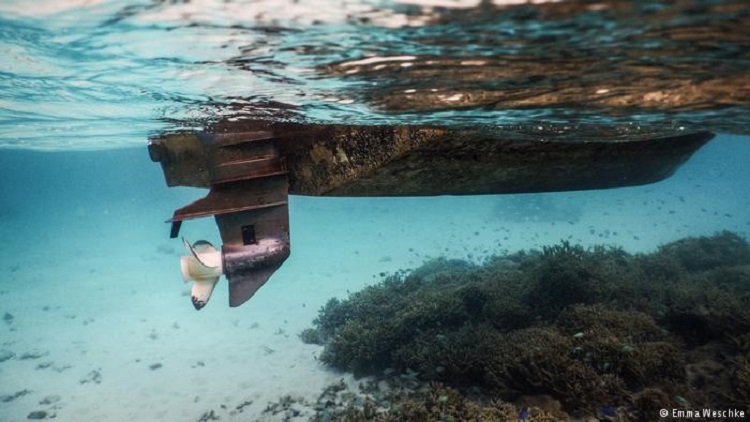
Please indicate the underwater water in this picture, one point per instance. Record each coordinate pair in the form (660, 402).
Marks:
(97, 324)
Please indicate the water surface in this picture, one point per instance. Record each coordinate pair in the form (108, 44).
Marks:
(103, 74)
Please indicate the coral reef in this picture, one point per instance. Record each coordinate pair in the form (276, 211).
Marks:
(542, 361)
(599, 331)
(697, 254)
(423, 402)
(740, 381)
(310, 336)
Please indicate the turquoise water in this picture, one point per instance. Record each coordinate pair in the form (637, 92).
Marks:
(105, 74)
(92, 280)
(97, 323)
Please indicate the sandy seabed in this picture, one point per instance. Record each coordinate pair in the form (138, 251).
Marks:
(97, 324)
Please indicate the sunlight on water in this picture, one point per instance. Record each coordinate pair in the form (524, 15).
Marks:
(103, 74)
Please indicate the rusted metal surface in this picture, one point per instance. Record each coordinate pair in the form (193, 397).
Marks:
(248, 185)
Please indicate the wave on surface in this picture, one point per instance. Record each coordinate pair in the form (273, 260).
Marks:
(88, 74)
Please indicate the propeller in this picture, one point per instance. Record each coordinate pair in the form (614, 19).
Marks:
(203, 267)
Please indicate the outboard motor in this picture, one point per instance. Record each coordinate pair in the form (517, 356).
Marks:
(248, 199)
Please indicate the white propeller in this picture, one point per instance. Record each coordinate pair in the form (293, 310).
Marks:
(203, 267)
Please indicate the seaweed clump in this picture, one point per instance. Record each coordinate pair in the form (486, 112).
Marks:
(598, 330)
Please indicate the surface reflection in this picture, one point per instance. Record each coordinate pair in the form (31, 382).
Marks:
(90, 71)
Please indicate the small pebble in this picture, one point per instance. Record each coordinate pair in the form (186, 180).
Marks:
(33, 354)
(5, 355)
(37, 414)
(50, 399)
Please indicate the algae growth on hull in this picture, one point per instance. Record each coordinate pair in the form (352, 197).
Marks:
(566, 331)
